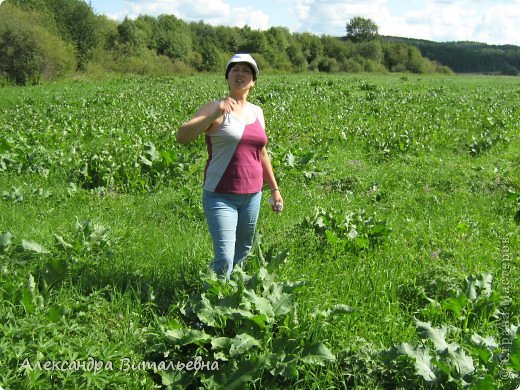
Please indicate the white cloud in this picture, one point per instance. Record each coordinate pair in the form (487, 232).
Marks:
(302, 8)
(500, 24)
(330, 17)
(483, 21)
(494, 22)
(438, 20)
(216, 12)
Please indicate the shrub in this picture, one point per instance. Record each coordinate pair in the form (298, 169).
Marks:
(29, 52)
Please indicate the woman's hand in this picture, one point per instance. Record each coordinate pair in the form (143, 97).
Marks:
(276, 201)
(227, 105)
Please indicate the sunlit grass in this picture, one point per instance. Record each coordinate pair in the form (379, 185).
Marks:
(397, 147)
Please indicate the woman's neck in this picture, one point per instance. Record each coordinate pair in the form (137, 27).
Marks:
(242, 102)
(239, 96)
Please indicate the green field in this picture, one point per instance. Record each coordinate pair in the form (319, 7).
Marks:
(393, 265)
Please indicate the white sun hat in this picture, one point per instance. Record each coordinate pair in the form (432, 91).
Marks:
(243, 57)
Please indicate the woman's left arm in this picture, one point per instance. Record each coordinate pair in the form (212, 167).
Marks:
(269, 178)
(268, 173)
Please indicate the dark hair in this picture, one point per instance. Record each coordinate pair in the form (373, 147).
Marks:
(228, 69)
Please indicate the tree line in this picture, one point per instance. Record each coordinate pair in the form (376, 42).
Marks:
(44, 40)
(469, 57)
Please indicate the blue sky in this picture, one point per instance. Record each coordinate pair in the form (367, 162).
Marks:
(489, 21)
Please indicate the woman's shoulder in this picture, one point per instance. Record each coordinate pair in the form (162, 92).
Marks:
(259, 114)
(210, 103)
(257, 109)
(208, 107)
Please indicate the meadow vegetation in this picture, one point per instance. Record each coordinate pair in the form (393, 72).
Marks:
(393, 265)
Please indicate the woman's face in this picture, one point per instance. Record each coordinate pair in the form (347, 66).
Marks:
(241, 75)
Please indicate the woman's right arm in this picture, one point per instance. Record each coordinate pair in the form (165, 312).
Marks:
(199, 123)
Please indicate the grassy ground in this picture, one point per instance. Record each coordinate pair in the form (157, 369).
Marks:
(434, 159)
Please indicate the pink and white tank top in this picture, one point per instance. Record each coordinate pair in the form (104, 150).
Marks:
(234, 165)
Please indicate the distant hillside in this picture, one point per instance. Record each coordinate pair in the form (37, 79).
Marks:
(468, 57)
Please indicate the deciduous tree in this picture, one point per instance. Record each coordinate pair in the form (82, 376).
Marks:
(29, 52)
(361, 29)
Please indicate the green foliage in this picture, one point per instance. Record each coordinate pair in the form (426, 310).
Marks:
(295, 54)
(197, 46)
(485, 141)
(139, 46)
(29, 52)
(50, 326)
(299, 161)
(514, 198)
(210, 58)
(77, 25)
(102, 230)
(349, 231)
(467, 57)
(371, 50)
(130, 39)
(396, 56)
(361, 29)
(455, 353)
(172, 37)
(248, 327)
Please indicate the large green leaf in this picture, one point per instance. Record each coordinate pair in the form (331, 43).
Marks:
(282, 363)
(31, 299)
(188, 336)
(287, 370)
(246, 371)
(463, 364)
(5, 240)
(55, 313)
(33, 247)
(209, 314)
(294, 287)
(436, 335)
(455, 304)
(239, 314)
(242, 343)
(262, 305)
(281, 302)
(221, 343)
(485, 283)
(261, 320)
(317, 353)
(27, 300)
(171, 378)
(485, 383)
(361, 242)
(487, 341)
(290, 159)
(55, 271)
(478, 285)
(422, 359)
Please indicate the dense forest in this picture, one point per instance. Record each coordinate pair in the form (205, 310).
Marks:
(468, 57)
(43, 40)
(48, 39)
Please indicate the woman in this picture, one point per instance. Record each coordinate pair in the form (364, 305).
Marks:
(237, 165)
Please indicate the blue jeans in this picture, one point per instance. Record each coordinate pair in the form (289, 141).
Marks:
(231, 221)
